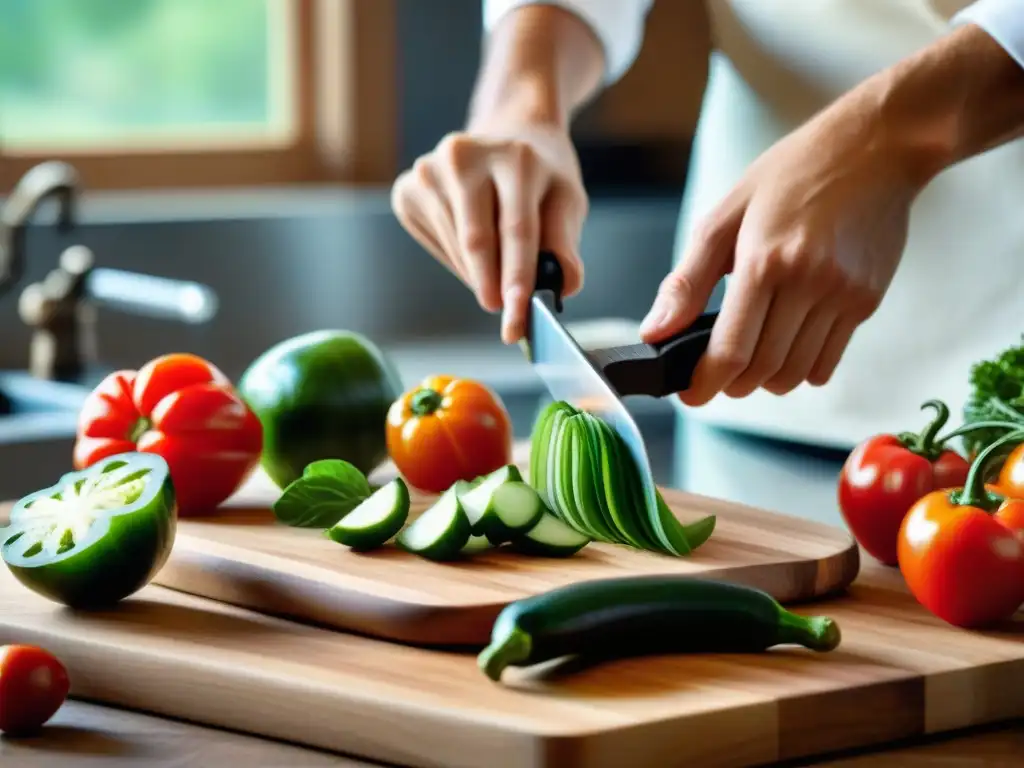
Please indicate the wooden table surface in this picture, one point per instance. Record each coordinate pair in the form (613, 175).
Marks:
(89, 736)
(85, 735)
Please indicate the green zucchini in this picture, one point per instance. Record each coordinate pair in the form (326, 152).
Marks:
(647, 615)
(372, 524)
(441, 532)
(477, 502)
(476, 545)
(584, 472)
(550, 537)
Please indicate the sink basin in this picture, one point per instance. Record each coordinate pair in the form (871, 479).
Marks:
(37, 431)
(22, 394)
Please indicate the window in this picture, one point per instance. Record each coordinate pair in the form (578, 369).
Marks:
(143, 93)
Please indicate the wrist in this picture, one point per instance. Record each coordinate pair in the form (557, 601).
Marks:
(955, 99)
(525, 99)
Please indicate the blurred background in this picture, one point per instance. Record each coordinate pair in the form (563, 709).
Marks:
(245, 150)
(250, 145)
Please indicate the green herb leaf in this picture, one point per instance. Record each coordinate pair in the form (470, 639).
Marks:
(327, 491)
(997, 391)
(336, 468)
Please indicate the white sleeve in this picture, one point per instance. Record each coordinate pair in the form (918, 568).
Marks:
(618, 24)
(1002, 19)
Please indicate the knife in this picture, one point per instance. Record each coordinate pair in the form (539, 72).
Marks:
(597, 381)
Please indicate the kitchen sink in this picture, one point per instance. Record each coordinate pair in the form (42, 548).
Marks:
(37, 431)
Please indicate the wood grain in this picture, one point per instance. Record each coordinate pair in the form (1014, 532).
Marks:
(91, 736)
(899, 673)
(244, 558)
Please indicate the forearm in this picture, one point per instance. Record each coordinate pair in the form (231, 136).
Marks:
(540, 64)
(955, 99)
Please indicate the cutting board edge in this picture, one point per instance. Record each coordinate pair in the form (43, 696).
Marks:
(296, 598)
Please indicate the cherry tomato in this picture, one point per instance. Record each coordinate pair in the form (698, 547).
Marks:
(961, 551)
(184, 409)
(448, 429)
(33, 686)
(883, 477)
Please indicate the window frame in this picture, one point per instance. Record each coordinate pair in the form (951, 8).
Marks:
(345, 127)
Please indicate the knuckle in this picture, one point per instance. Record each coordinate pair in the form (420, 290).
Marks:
(456, 150)
(522, 157)
(731, 361)
(477, 241)
(863, 301)
(423, 172)
(709, 230)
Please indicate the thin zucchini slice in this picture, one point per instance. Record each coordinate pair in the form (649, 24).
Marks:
(440, 533)
(585, 496)
(376, 520)
(629, 526)
(517, 507)
(550, 537)
(477, 502)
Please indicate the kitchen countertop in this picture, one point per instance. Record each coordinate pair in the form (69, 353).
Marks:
(793, 479)
(89, 736)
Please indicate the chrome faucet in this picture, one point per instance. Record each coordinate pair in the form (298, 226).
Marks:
(61, 308)
(52, 179)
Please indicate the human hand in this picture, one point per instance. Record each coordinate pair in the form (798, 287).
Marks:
(812, 236)
(485, 203)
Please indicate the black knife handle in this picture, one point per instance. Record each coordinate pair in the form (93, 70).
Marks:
(660, 369)
(550, 277)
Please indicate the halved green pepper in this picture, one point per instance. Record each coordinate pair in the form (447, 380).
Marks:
(96, 536)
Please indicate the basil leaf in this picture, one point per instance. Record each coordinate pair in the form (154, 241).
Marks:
(336, 468)
(322, 497)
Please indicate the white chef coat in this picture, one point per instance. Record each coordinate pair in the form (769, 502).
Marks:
(958, 295)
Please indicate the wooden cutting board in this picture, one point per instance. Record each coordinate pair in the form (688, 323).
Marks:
(898, 673)
(244, 558)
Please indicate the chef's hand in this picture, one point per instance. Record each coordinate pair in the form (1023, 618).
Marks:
(812, 235)
(484, 204)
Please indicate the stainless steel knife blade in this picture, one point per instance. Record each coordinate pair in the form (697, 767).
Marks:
(570, 375)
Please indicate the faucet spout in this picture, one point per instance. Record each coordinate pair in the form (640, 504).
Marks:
(50, 180)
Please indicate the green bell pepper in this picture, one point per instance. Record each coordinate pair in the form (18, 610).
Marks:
(96, 536)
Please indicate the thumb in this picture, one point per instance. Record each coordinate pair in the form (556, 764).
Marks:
(685, 291)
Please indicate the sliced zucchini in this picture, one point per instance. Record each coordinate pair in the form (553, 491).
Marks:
(372, 524)
(586, 506)
(476, 545)
(550, 537)
(440, 533)
(477, 503)
(515, 508)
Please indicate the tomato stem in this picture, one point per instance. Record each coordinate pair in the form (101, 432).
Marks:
(979, 425)
(925, 444)
(425, 401)
(974, 494)
(139, 428)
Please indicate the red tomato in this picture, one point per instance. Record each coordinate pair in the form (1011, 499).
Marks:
(184, 409)
(885, 475)
(448, 429)
(961, 551)
(33, 686)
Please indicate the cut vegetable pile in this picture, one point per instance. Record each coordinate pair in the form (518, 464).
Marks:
(585, 487)
(586, 475)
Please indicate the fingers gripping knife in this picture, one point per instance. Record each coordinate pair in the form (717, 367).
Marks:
(597, 381)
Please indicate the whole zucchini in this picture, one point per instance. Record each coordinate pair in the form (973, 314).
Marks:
(644, 615)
